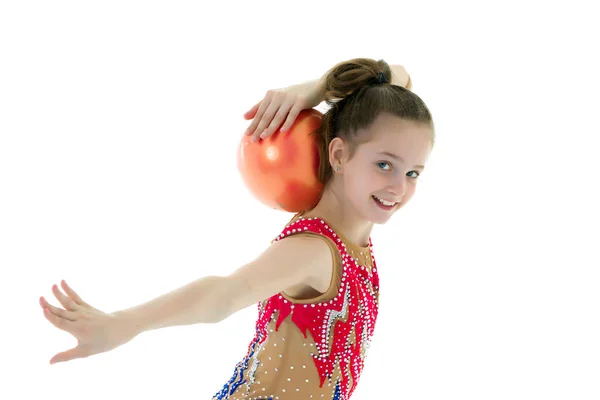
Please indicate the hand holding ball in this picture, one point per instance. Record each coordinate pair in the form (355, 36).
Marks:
(281, 170)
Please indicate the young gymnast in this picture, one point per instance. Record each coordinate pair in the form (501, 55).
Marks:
(316, 286)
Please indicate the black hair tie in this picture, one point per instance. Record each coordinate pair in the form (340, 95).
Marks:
(381, 78)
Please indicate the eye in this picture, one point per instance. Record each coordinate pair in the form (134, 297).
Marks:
(380, 163)
(416, 172)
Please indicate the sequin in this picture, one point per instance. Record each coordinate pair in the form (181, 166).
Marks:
(321, 347)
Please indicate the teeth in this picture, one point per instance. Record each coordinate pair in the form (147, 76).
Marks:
(385, 203)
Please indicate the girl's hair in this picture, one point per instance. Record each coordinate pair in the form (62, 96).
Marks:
(356, 99)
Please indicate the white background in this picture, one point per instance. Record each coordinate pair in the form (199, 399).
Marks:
(119, 126)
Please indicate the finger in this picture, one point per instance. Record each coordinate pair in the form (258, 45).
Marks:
(267, 117)
(259, 115)
(252, 112)
(71, 293)
(292, 115)
(66, 302)
(58, 322)
(260, 109)
(59, 312)
(276, 123)
(76, 352)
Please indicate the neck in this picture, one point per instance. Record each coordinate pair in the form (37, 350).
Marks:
(333, 208)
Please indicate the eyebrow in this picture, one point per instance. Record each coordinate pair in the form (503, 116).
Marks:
(391, 155)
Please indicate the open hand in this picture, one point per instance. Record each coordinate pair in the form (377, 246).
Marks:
(95, 331)
(282, 104)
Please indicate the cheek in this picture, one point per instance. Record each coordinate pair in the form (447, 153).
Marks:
(410, 191)
(374, 179)
(379, 180)
(363, 182)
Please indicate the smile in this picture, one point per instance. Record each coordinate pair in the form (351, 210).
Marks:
(386, 205)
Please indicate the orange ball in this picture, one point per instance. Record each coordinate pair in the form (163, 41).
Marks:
(281, 170)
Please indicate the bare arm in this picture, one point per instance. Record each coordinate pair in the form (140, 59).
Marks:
(285, 104)
(288, 262)
(196, 302)
(399, 77)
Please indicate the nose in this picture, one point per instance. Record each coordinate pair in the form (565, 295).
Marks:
(397, 186)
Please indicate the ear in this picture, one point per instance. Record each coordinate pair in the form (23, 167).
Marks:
(338, 152)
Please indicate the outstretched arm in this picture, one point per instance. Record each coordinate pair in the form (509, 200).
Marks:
(201, 301)
(285, 263)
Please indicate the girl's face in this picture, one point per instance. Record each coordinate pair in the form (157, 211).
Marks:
(386, 168)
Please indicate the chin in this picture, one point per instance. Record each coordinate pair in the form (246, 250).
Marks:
(379, 220)
(380, 216)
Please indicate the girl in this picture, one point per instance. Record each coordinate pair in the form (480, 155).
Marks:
(316, 286)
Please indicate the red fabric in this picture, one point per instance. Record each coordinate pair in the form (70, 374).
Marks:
(356, 302)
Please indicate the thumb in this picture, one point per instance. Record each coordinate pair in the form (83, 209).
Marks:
(76, 352)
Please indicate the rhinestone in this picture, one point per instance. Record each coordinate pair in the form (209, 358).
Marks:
(357, 296)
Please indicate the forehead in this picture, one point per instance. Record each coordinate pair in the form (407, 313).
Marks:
(396, 135)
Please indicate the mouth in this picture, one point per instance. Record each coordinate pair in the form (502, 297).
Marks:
(384, 204)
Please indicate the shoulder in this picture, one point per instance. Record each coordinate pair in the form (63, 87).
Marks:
(294, 260)
(312, 250)
(323, 277)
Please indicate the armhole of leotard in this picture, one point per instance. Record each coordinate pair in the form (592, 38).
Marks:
(336, 276)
